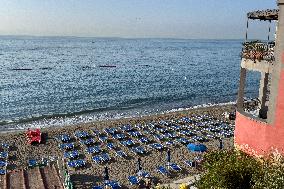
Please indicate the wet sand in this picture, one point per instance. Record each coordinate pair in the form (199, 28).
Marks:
(119, 168)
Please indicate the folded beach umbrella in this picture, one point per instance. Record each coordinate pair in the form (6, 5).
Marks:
(106, 176)
(220, 144)
(196, 147)
(169, 156)
(139, 167)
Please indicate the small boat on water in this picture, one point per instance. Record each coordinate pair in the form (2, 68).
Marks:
(21, 69)
(107, 66)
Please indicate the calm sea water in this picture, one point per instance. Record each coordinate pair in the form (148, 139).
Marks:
(65, 80)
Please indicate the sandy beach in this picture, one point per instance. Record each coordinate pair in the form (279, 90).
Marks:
(119, 168)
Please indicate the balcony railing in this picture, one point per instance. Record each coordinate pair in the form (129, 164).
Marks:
(257, 50)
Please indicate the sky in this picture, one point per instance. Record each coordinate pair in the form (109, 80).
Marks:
(191, 19)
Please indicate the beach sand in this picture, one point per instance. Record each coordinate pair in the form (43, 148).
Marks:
(119, 168)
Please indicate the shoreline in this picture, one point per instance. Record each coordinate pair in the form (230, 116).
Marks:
(119, 168)
(56, 121)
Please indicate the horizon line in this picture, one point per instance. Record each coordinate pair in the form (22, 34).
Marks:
(114, 37)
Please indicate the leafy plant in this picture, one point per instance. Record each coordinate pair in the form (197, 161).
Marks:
(237, 170)
(229, 170)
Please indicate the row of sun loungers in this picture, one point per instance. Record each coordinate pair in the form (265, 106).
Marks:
(71, 154)
(76, 163)
(4, 154)
(162, 134)
(68, 147)
(121, 154)
(34, 163)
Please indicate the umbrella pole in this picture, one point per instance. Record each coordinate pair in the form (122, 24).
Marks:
(106, 177)
(168, 158)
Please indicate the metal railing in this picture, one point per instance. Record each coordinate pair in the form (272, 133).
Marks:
(257, 50)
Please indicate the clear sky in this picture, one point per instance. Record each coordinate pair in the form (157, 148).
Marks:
(131, 18)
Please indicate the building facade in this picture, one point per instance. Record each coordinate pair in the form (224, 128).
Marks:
(261, 131)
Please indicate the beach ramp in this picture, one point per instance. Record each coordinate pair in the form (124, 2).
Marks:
(35, 178)
(3, 182)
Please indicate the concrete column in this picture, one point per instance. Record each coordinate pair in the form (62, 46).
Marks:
(278, 66)
(263, 89)
(240, 101)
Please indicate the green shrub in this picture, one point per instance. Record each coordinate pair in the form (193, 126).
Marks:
(273, 173)
(237, 170)
(229, 170)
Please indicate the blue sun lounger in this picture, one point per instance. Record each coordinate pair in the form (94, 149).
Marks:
(95, 132)
(127, 143)
(97, 159)
(162, 170)
(64, 138)
(3, 163)
(139, 127)
(175, 127)
(5, 146)
(32, 163)
(71, 155)
(183, 140)
(93, 149)
(157, 146)
(110, 131)
(135, 134)
(175, 167)
(111, 146)
(118, 136)
(158, 137)
(88, 141)
(197, 138)
(98, 187)
(139, 150)
(103, 138)
(126, 128)
(160, 129)
(3, 171)
(146, 132)
(186, 120)
(144, 140)
(162, 122)
(121, 154)
(105, 157)
(3, 155)
(170, 143)
(167, 135)
(186, 132)
(67, 146)
(143, 174)
(76, 163)
(113, 184)
(81, 134)
(133, 180)
(190, 163)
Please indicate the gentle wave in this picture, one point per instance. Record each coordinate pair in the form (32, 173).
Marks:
(61, 121)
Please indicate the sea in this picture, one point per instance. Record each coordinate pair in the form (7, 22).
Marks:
(60, 81)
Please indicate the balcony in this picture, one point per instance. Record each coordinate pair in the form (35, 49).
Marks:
(258, 51)
(258, 56)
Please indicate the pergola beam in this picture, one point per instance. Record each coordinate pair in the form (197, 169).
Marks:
(269, 14)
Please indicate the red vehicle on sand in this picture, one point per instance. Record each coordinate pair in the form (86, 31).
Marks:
(33, 136)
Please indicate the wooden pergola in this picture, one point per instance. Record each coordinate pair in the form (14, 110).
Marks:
(266, 15)
(269, 14)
